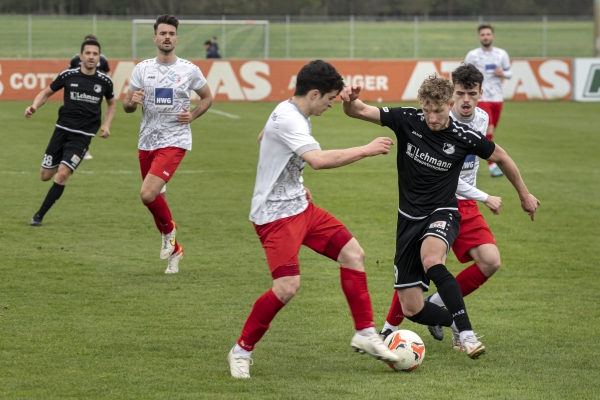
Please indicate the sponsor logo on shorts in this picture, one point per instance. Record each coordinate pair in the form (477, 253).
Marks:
(440, 232)
(166, 173)
(449, 148)
(425, 159)
(438, 225)
(75, 160)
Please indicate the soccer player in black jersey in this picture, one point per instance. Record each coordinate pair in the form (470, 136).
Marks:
(432, 148)
(78, 121)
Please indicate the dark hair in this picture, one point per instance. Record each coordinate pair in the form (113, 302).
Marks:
(468, 76)
(207, 42)
(484, 26)
(90, 37)
(166, 19)
(435, 89)
(90, 42)
(319, 75)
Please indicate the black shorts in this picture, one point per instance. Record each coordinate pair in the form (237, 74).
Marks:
(408, 269)
(65, 148)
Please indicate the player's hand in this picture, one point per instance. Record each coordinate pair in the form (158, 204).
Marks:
(529, 204)
(29, 111)
(308, 195)
(498, 71)
(138, 97)
(381, 145)
(350, 93)
(105, 131)
(494, 203)
(185, 117)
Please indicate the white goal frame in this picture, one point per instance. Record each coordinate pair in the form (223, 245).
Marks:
(221, 22)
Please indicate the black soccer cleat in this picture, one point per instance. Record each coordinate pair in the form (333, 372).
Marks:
(36, 220)
(385, 333)
(436, 331)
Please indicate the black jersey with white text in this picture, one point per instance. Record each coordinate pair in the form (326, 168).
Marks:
(81, 111)
(429, 163)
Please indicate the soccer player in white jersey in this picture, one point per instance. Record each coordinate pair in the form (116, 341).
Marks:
(494, 64)
(475, 241)
(285, 217)
(162, 87)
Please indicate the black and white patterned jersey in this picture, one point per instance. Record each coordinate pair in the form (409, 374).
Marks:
(167, 88)
(83, 94)
(429, 163)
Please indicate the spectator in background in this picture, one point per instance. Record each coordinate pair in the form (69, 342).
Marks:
(102, 66)
(212, 49)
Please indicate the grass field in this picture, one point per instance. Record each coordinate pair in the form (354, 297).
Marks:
(60, 37)
(87, 312)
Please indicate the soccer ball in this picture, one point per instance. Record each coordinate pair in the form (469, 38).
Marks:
(409, 347)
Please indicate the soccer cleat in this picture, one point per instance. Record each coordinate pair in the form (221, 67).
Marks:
(436, 331)
(87, 156)
(168, 243)
(239, 366)
(456, 345)
(473, 347)
(385, 333)
(373, 345)
(36, 220)
(495, 172)
(174, 259)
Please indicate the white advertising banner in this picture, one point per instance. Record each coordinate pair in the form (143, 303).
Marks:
(586, 79)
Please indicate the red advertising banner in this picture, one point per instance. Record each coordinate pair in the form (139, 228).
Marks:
(274, 80)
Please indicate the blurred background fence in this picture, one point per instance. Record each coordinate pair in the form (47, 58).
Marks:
(49, 36)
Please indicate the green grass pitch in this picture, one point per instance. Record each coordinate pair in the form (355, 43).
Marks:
(87, 312)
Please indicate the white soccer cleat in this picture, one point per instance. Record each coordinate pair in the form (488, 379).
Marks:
(473, 347)
(456, 345)
(372, 345)
(87, 156)
(168, 243)
(174, 259)
(239, 366)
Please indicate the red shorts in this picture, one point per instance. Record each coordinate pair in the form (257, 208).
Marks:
(493, 108)
(160, 162)
(473, 231)
(314, 227)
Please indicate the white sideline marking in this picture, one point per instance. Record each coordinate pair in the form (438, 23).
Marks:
(223, 113)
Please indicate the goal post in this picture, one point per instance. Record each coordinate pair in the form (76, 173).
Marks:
(238, 38)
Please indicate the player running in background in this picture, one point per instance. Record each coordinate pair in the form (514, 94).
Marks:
(78, 121)
(102, 66)
(494, 64)
(432, 148)
(475, 241)
(285, 217)
(162, 87)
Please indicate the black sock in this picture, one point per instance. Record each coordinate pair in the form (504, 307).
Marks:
(432, 315)
(52, 197)
(451, 295)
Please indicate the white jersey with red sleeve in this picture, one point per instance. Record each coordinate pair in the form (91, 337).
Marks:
(167, 88)
(278, 191)
(486, 62)
(479, 123)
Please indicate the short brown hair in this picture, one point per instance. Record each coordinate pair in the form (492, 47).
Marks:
(166, 19)
(436, 89)
(485, 26)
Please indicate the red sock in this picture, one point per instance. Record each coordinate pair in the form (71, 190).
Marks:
(264, 310)
(177, 247)
(470, 278)
(354, 285)
(395, 315)
(160, 211)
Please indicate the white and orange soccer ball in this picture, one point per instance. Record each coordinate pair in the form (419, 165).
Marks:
(409, 347)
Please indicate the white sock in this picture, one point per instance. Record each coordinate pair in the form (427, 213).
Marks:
(387, 326)
(437, 300)
(241, 352)
(367, 331)
(492, 166)
(464, 334)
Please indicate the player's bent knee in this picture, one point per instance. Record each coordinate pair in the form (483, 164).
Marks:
(147, 196)
(285, 288)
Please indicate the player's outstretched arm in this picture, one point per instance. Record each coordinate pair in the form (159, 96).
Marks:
(132, 99)
(355, 108)
(39, 101)
(325, 159)
(111, 107)
(528, 202)
(472, 193)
